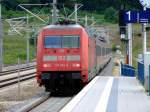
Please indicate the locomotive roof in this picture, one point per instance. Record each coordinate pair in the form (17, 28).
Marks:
(75, 26)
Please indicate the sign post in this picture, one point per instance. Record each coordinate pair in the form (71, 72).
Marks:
(145, 55)
(145, 18)
(130, 43)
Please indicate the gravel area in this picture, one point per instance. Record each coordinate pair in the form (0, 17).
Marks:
(10, 96)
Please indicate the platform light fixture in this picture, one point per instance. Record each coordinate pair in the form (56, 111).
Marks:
(145, 3)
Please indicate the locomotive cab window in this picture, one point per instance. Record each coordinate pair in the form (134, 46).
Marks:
(52, 42)
(62, 41)
(70, 42)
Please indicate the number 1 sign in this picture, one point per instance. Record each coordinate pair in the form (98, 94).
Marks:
(131, 17)
(137, 17)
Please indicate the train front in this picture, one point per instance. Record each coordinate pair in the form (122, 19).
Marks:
(59, 57)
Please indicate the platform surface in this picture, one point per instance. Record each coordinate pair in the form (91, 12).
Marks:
(110, 94)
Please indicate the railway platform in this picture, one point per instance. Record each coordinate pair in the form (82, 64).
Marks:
(110, 94)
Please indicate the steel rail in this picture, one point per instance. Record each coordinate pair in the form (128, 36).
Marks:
(15, 70)
(14, 80)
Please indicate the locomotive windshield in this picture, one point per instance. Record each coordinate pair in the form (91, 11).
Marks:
(62, 42)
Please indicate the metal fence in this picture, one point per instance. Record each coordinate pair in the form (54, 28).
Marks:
(127, 70)
(141, 72)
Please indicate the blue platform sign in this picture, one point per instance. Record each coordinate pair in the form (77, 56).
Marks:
(144, 17)
(130, 17)
(137, 17)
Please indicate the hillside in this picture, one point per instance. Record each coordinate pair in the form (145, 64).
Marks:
(15, 45)
(106, 14)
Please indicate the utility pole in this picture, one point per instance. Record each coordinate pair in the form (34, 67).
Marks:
(86, 24)
(1, 40)
(108, 35)
(19, 89)
(92, 19)
(54, 12)
(28, 47)
(76, 13)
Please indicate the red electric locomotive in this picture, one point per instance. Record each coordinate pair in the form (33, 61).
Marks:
(68, 57)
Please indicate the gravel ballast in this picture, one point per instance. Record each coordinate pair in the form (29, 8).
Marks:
(11, 97)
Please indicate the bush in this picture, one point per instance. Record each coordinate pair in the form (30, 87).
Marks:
(114, 47)
(110, 15)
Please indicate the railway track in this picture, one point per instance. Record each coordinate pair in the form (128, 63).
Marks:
(14, 80)
(52, 104)
(10, 77)
(45, 103)
(16, 70)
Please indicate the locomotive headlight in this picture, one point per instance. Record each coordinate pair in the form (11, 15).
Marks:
(76, 65)
(45, 65)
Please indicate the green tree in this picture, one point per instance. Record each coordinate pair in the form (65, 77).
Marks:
(12, 4)
(110, 14)
(34, 1)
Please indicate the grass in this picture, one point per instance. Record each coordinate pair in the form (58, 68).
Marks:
(14, 47)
